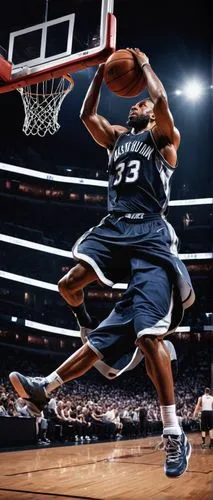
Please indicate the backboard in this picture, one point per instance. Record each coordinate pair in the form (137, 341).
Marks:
(76, 35)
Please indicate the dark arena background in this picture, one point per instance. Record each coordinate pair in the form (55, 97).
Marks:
(53, 189)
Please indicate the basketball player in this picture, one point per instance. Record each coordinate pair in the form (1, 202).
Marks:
(205, 405)
(134, 236)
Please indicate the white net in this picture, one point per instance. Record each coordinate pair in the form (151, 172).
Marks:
(42, 103)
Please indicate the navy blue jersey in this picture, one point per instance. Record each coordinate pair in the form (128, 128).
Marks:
(139, 176)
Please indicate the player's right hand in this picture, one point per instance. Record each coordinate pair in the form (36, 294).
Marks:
(141, 57)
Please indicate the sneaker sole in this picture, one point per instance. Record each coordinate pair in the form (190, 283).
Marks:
(18, 385)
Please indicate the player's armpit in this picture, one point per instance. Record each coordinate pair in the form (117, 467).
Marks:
(101, 130)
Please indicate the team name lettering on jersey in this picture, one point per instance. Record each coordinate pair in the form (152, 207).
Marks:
(134, 147)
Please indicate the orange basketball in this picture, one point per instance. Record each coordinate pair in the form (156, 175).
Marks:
(123, 74)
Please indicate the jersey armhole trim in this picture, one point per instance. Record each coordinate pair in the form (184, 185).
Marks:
(165, 162)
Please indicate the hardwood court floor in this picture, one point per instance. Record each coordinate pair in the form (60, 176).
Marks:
(122, 470)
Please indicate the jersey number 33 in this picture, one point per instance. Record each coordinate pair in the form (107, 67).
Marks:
(127, 172)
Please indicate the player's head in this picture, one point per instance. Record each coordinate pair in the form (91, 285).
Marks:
(141, 114)
(207, 390)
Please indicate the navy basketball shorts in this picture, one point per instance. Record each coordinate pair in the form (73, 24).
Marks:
(146, 251)
(109, 246)
(146, 308)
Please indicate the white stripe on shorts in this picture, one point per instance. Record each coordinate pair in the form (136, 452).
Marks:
(86, 258)
(162, 326)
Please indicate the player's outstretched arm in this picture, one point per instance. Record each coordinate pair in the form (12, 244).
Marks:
(165, 128)
(100, 129)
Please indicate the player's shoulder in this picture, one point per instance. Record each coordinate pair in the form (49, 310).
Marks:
(162, 140)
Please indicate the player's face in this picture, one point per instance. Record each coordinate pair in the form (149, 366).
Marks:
(140, 114)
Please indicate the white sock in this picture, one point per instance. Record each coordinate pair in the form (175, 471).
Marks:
(53, 381)
(170, 420)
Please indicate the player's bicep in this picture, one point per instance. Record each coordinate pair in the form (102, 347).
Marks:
(164, 122)
(100, 129)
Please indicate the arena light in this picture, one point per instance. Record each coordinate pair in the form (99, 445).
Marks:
(65, 253)
(178, 92)
(35, 246)
(52, 177)
(43, 327)
(52, 329)
(28, 281)
(191, 202)
(193, 90)
(119, 286)
(88, 182)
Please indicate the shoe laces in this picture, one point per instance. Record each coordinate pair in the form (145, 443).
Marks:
(37, 379)
(173, 449)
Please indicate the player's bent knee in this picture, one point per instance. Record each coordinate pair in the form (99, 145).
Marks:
(148, 343)
(67, 283)
(72, 281)
(62, 285)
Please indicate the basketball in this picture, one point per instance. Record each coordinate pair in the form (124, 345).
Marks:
(123, 75)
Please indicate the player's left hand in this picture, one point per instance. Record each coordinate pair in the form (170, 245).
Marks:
(141, 57)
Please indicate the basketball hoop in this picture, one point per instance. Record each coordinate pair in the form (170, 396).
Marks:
(42, 103)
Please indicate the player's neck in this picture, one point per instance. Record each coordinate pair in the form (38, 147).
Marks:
(136, 130)
(148, 128)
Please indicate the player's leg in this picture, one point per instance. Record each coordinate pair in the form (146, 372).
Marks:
(96, 253)
(153, 304)
(158, 367)
(203, 436)
(71, 289)
(107, 344)
(204, 428)
(36, 390)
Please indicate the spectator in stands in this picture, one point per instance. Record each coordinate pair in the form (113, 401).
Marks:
(41, 430)
(112, 415)
(3, 411)
(22, 408)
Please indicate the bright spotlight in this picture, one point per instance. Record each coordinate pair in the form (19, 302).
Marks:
(193, 90)
(178, 92)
